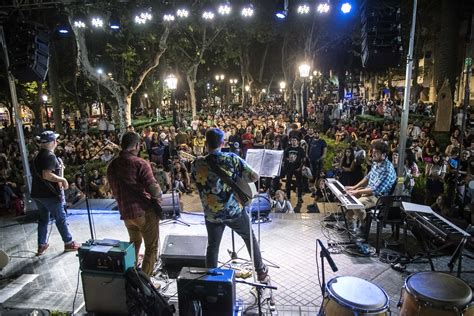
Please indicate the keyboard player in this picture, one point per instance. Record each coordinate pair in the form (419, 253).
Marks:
(378, 182)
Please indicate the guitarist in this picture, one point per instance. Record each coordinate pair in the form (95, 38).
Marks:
(47, 191)
(220, 201)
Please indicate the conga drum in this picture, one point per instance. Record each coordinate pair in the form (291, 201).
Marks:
(349, 296)
(435, 294)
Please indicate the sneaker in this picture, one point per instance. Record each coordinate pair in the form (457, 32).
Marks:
(262, 275)
(42, 249)
(72, 246)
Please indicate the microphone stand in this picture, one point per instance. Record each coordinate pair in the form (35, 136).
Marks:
(175, 218)
(86, 186)
(259, 287)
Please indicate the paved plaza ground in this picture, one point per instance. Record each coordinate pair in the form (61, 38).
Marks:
(288, 241)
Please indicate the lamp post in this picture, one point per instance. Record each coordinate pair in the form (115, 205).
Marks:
(233, 83)
(44, 97)
(171, 83)
(304, 69)
(99, 76)
(220, 79)
(283, 89)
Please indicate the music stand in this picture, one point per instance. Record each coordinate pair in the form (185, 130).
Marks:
(267, 163)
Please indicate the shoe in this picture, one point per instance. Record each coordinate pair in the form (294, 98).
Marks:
(73, 246)
(262, 275)
(42, 249)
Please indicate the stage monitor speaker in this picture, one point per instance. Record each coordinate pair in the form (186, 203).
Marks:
(213, 293)
(184, 250)
(167, 205)
(104, 293)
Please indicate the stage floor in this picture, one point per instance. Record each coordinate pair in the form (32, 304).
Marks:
(288, 241)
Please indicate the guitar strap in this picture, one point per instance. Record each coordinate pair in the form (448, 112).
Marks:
(212, 163)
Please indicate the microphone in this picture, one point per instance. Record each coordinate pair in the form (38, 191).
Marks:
(325, 253)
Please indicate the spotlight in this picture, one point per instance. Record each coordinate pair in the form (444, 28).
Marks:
(182, 13)
(323, 8)
(79, 21)
(97, 22)
(224, 9)
(143, 17)
(208, 15)
(114, 22)
(282, 14)
(248, 11)
(346, 7)
(303, 9)
(168, 18)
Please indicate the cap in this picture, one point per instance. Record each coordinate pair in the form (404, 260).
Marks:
(47, 137)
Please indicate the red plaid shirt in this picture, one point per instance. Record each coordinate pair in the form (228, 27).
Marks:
(129, 177)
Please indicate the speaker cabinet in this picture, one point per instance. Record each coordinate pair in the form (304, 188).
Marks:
(184, 250)
(104, 293)
(212, 291)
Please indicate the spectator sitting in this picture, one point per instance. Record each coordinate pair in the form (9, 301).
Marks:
(95, 181)
(73, 195)
(161, 177)
(107, 155)
(280, 204)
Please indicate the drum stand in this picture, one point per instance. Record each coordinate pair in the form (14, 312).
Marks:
(259, 287)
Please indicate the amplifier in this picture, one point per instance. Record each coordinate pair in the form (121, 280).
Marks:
(104, 293)
(214, 289)
(106, 257)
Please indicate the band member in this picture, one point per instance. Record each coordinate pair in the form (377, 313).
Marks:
(47, 191)
(378, 182)
(133, 186)
(221, 207)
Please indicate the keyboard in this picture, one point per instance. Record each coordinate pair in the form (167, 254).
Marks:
(347, 201)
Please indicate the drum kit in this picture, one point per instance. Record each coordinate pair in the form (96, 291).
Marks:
(424, 294)
(428, 293)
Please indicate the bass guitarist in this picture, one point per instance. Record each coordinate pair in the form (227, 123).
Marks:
(220, 202)
(47, 191)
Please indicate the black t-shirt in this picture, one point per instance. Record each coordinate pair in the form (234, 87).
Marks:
(294, 157)
(41, 188)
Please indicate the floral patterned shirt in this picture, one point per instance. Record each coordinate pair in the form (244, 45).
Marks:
(217, 198)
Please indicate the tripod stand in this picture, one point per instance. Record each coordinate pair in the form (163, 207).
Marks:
(175, 217)
(259, 287)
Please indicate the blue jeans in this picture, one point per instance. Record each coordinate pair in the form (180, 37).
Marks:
(241, 226)
(53, 207)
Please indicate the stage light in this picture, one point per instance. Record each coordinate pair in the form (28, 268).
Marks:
(224, 9)
(114, 22)
(97, 22)
(168, 17)
(323, 8)
(143, 17)
(63, 29)
(79, 24)
(302, 9)
(346, 7)
(208, 15)
(282, 14)
(248, 11)
(182, 13)
(79, 21)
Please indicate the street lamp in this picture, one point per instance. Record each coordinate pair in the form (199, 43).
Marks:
(100, 71)
(44, 97)
(232, 82)
(304, 70)
(172, 83)
(220, 79)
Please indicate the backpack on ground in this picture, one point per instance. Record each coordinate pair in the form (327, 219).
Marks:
(143, 298)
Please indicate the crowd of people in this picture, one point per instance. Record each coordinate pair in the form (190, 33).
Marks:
(269, 125)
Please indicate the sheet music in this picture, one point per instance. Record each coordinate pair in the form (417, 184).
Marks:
(271, 163)
(254, 158)
(266, 162)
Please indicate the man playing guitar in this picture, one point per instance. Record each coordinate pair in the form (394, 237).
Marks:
(47, 191)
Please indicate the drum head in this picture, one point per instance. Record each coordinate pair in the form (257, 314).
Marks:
(440, 289)
(357, 294)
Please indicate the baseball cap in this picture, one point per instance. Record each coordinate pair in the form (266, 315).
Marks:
(47, 137)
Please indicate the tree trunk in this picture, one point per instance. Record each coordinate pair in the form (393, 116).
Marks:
(191, 74)
(79, 104)
(341, 76)
(262, 63)
(54, 88)
(284, 64)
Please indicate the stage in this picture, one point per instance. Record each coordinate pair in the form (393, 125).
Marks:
(288, 241)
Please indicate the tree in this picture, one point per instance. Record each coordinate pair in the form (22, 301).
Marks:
(133, 54)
